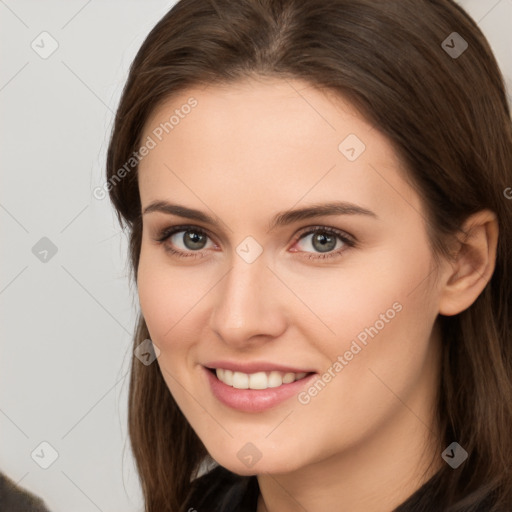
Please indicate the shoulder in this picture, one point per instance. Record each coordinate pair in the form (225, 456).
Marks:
(432, 496)
(15, 499)
(220, 490)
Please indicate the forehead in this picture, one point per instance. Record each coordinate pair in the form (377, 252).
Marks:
(268, 141)
(268, 103)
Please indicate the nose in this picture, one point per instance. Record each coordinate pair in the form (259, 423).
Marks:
(248, 304)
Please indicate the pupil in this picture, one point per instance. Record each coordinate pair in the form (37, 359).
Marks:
(326, 242)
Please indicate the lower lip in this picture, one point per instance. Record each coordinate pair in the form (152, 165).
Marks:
(254, 400)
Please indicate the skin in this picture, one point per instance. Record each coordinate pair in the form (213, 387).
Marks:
(244, 153)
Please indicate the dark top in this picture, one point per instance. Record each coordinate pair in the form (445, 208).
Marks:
(16, 499)
(220, 490)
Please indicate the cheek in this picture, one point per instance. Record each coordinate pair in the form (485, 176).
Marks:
(165, 306)
(380, 310)
(154, 303)
(340, 303)
(170, 297)
(383, 328)
(160, 295)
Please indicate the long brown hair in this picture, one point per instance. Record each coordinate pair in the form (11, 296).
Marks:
(447, 117)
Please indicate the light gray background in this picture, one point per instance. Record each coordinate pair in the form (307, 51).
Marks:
(66, 324)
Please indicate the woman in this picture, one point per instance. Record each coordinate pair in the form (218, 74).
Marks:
(316, 197)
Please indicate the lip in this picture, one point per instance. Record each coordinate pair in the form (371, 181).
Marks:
(255, 366)
(254, 400)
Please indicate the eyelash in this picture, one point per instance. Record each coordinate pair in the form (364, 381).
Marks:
(166, 233)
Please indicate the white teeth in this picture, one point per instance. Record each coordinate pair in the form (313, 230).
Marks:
(288, 377)
(274, 379)
(228, 377)
(240, 380)
(258, 380)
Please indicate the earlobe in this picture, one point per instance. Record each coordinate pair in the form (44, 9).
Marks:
(473, 264)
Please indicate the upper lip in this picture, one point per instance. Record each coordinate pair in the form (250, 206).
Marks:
(256, 366)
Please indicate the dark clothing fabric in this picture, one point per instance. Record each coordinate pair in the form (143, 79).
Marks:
(15, 499)
(220, 490)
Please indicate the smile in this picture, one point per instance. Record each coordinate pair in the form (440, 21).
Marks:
(258, 380)
(255, 392)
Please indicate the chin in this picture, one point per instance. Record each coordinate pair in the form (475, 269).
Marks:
(268, 466)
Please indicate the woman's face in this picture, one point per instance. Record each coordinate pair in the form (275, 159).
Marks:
(347, 296)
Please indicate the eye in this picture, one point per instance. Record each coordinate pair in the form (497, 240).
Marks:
(325, 239)
(190, 238)
(191, 241)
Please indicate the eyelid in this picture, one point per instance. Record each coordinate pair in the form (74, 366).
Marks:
(165, 233)
(320, 227)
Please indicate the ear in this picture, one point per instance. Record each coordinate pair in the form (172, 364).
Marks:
(473, 264)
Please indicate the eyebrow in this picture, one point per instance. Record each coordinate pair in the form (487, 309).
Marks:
(280, 219)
